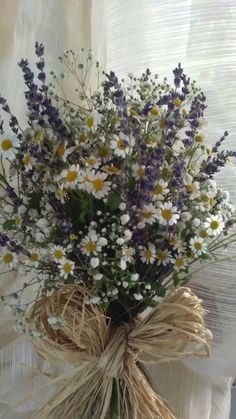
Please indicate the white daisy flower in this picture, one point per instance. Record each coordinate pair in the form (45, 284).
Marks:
(92, 243)
(38, 135)
(92, 162)
(122, 145)
(58, 253)
(99, 186)
(63, 152)
(66, 267)
(198, 246)
(149, 214)
(160, 190)
(127, 257)
(192, 187)
(35, 256)
(148, 254)
(214, 225)
(176, 243)
(8, 147)
(84, 180)
(164, 257)
(179, 262)
(28, 162)
(138, 171)
(167, 214)
(8, 259)
(60, 194)
(93, 120)
(70, 176)
(111, 169)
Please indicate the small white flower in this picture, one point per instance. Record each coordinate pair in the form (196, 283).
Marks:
(167, 214)
(196, 222)
(148, 254)
(214, 225)
(8, 259)
(186, 216)
(124, 219)
(8, 147)
(128, 235)
(122, 206)
(122, 144)
(70, 176)
(138, 296)
(93, 300)
(134, 277)
(120, 241)
(198, 246)
(98, 277)
(160, 190)
(125, 284)
(66, 268)
(94, 262)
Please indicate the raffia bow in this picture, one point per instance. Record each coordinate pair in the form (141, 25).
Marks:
(108, 360)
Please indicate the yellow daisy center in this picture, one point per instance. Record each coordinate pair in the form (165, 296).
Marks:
(112, 169)
(34, 257)
(26, 160)
(71, 176)
(179, 262)
(162, 123)
(67, 267)
(158, 190)
(141, 171)
(198, 246)
(58, 254)
(214, 225)
(177, 102)
(212, 201)
(17, 220)
(191, 188)
(90, 246)
(90, 121)
(122, 144)
(38, 136)
(199, 138)
(203, 234)
(7, 258)
(60, 150)
(91, 162)
(6, 144)
(204, 198)
(148, 254)
(83, 138)
(162, 256)
(98, 184)
(166, 214)
(147, 215)
(155, 111)
(73, 237)
(103, 152)
(133, 112)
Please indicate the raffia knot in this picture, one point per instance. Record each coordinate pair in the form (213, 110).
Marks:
(103, 355)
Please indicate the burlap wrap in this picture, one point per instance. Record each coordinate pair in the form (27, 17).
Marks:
(109, 361)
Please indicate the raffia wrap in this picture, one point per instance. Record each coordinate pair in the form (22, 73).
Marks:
(104, 357)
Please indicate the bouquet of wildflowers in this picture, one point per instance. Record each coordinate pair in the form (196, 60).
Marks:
(108, 204)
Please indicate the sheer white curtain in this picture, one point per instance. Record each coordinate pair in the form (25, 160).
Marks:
(128, 36)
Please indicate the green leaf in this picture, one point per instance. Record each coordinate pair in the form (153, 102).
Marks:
(9, 225)
(176, 279)
(114, 200)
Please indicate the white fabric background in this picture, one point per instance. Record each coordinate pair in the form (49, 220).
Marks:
(130, 36)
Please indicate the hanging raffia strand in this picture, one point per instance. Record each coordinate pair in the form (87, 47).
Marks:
(108, 380)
